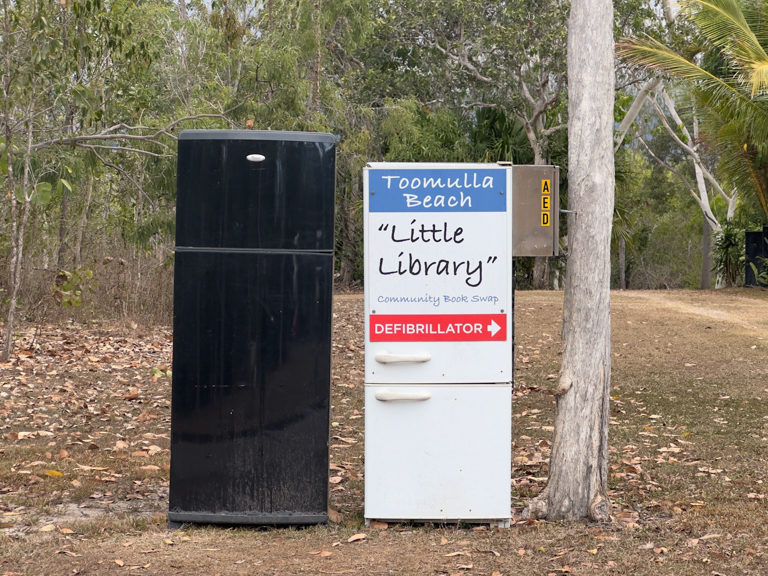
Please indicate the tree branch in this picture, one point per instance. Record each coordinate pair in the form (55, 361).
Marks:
(94, 147)
(112, 133)
(117, 168)
(708, 215)
(690, 150)
(463, 61)
(634, 110)
(552, 129)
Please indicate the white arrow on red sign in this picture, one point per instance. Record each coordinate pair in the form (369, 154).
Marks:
(493, 328)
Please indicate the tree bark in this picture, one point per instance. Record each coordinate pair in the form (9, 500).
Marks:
(623, 263)
(62, 228)
(78, 258)
(706, 256)
(578, 470)
(17, 237)
(540, 272)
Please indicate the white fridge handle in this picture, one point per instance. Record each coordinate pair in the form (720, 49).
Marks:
(392, 396)
(389, 358)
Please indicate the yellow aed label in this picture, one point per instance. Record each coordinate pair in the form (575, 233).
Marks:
(545, 202)
(545, 187)
(545, 219)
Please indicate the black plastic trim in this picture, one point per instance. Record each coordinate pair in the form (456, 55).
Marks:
(279, 135)
(246, 518)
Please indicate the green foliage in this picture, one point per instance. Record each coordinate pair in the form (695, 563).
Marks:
(157, 225)
(760, 271)
(659, 226)
(42, 194)
(382, 75)
(497, 136)
(69, 286)
(414, 133)
(726, 68)
(729, 254)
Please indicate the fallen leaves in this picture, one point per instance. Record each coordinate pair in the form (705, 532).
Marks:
(458, 553)
(628, 520)
(335, 516)
(357, 538)
(105, 453)
(71, 403)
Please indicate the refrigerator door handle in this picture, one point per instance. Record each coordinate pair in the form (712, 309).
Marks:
(390, 358)
(393, 396)
(255, 158)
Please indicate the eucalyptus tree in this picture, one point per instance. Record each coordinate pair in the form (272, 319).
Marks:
(725, 73)
(471, 55)
(75, 87)
(577, 485)
(509, 55)
(56, 61)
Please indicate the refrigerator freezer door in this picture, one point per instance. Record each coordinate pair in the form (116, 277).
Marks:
(251, 190)
(251, 374)
(438, 452)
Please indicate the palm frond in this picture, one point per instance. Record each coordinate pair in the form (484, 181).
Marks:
(736, 159)
(650, 53)
(759, 77)
(731, 84)
(724, 24)
(726, 96)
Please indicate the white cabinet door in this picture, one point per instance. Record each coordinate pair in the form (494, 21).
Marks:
(438, 452)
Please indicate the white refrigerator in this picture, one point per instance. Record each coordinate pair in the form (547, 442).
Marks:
(438, 358)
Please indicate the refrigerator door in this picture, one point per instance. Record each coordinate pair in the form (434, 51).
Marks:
(438, 270)
(251, 189)
(251, 378)
(438, 452)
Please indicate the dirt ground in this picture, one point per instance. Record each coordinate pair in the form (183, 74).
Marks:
(84, 453)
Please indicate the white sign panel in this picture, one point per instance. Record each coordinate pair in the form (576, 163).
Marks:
(438, 273)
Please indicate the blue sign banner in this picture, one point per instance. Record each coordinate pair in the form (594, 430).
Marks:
(437, 190)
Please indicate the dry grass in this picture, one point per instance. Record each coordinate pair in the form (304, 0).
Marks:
(84, 420)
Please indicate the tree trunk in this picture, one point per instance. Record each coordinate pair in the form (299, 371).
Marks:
(17, 237)
(62, 228)
(622, 263)
(342, 230)
(315, 65)
(83, 224)
(706, 256)
(578, 471)
(540, 273)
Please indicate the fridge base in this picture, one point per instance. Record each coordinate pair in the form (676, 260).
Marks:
(255, 518)
(492, 522)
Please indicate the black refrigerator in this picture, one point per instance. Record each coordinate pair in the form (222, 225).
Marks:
(252, 327)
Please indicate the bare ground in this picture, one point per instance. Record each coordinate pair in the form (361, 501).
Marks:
(84, 436)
